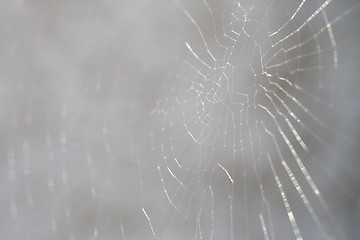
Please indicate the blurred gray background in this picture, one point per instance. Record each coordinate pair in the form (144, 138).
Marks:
(85, 146)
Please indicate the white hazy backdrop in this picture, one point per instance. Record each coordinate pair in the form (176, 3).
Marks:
(111, 128)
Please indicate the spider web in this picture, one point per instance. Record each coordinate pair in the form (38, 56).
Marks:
(248, 130)
(240, 126)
